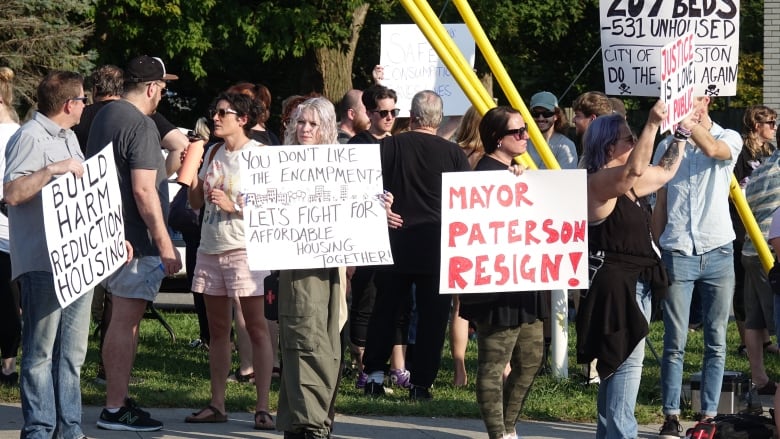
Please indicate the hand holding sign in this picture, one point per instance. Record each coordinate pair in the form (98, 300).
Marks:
(65, 166)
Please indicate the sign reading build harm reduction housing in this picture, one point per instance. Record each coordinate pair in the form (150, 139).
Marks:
(412, 65)
(314, 206)
(634, 31)
(506, 233)
(85, 231)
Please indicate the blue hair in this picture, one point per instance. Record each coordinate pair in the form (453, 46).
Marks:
(603, 132)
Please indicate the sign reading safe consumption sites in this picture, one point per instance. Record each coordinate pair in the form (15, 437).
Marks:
(633, 32)
(412, 65)
(85, 231)
(506, 233)
(314, 206)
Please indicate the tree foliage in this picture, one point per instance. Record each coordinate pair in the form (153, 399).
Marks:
(37, 36)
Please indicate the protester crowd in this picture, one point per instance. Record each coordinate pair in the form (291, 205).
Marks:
(659, 222)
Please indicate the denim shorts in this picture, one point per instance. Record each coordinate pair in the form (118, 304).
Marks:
(139, 279)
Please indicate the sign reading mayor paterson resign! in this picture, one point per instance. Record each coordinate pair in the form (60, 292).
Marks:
(85, 232)
(633, 33)
(314, 206)
(506, 233)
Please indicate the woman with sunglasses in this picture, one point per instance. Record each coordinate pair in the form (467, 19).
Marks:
(612, 321)
(552, 122)
(222, 270)
(753, 300)
(509, 325)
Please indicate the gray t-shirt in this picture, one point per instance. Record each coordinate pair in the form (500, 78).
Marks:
(37, 144)
(136, 146)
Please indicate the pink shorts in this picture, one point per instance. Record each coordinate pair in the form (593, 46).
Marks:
(227, 274)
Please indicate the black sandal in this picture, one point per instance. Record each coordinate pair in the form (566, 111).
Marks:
(264, 421)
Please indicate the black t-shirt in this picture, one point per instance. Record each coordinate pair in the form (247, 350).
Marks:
(264, 137)
(87, 116)
(412, 164)
(363, 137)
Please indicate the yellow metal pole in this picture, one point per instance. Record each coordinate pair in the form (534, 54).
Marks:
(444, 46)
(751, 226)
(482, 105)
(506, 83)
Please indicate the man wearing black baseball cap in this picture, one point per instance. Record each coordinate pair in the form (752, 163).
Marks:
(142, 180)
(146, 68)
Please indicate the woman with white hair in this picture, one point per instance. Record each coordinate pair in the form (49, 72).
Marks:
(309, 308)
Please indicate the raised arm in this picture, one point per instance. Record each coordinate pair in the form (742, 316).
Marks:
(663, 171)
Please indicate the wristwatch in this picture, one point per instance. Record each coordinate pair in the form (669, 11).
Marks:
(237, 208)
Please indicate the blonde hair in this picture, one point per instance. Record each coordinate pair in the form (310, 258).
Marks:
(7, 92)
(326, 113)
(467, 136)
(754, 144)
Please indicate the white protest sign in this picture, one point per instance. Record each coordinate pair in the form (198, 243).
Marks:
(85, 231)
(314, 206)
(634, 31)
(506, 233)
(412, 65)
(677, 80)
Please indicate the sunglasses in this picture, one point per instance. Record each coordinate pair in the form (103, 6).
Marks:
(543, 114)
(630, 139)
(221, 112)
(80, 98)
(771, 123)
(384, 113)
(517, 133)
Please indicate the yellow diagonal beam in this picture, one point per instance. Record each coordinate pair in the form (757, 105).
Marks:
(503, 79)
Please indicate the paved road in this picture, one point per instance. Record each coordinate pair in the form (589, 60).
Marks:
(239, 426)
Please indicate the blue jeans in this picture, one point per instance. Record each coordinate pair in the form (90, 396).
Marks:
(713, 275)
(617, 394)
(54, 345)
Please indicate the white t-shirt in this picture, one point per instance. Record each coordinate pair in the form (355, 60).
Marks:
(222, 231)
(6, 131)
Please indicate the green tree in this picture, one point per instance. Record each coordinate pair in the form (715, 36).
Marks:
(37, 36)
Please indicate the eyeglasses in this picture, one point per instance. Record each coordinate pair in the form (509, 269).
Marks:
(221, 112)
(80, 98)
(385, 113)
(542, 114)
(163, 88)
(771, 123)
(517, 133)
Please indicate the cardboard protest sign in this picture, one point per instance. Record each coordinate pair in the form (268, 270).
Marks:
(677, 80)
(314, 206)
(85, 231)
(506, 233)
(633, 32)
(412, 65)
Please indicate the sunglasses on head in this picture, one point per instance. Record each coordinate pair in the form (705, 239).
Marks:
(517, 133)
(221, 112)
(543, 114)
(383, 113)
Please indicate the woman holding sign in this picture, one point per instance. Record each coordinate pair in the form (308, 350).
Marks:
(509, 325)
(310, 305)
(222, 271)
(625, 263)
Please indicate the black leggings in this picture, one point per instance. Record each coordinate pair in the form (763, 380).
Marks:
(10, 319)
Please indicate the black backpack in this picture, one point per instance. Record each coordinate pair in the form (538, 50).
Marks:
(736, 426)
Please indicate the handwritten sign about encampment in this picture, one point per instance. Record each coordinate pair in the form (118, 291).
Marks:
(506, 233)
(412, 65)
(314, 206)
(677, 80)
(85, 232)
(633, 32)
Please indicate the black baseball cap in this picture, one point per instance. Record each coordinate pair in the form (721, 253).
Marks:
(147, 68)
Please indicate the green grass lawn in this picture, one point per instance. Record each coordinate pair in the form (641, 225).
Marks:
(176, 375)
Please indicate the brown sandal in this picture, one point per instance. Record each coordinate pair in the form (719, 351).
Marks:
(264, 421)
(214, 418)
